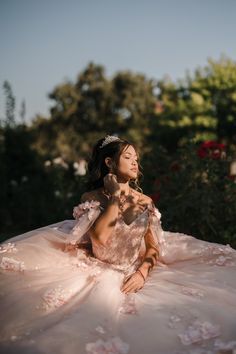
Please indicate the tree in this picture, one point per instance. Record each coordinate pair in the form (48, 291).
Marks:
(216, 85)
(10, 104)
(23, 111)
(92, 107)
(199, 107)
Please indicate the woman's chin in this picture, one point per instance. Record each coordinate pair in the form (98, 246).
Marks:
(133, 175)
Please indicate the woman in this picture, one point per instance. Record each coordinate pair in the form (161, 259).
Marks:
(112, 281)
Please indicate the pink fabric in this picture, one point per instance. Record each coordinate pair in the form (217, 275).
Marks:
(60, 292)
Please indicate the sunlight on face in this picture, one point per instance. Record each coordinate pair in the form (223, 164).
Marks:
(128, 163)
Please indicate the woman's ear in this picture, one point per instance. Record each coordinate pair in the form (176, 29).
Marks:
(108, 162)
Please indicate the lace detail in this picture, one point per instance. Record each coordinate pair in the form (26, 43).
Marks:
(56, 297)
(128, 305)
(87, 206)
(215, 254)
(12, 264)
(122, 248)
(85, 214)
(8, 248)
(112, 345)
(84, 262)
(198, 332)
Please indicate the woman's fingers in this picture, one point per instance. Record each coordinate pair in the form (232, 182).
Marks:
(131, 285)
(131, 289)
(110, 183)
(126, 285)
(111, 177)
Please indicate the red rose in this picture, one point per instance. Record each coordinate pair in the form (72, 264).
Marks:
(211, 149)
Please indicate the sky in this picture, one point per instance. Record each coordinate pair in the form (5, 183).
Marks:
(45, 43)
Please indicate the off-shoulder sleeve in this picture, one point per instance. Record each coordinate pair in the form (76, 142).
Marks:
(155, 234)
(85, 214)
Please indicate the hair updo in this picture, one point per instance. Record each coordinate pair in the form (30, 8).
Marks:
(97, 168)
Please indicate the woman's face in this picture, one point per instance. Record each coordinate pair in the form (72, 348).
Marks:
(128, 163)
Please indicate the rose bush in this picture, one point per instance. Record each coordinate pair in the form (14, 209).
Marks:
(194, 191)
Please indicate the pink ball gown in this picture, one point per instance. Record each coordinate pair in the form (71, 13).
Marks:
(60, 292)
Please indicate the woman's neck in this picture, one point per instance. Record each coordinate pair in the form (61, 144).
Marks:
(124, 187)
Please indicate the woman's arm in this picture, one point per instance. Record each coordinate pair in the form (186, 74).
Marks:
(151, 255)
(136, 281)
(104, 224)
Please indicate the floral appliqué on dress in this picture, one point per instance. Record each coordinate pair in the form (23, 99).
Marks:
(12, 264)
(89, 206)
(8, 247)
(198, 332)
(112, 345)
(128, 305)
(9, 263)
(56, 297)
(219, 255)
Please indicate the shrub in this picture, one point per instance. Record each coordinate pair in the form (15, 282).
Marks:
(195, 192)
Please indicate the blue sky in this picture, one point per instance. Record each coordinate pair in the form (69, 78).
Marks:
(43, 43)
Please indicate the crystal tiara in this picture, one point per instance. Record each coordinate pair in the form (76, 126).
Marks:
(109, 139)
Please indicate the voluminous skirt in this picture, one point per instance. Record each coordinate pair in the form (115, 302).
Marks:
(56, 299)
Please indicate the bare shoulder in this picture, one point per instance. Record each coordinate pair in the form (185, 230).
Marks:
(142, 198)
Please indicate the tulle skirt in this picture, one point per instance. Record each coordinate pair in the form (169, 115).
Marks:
(66, 302)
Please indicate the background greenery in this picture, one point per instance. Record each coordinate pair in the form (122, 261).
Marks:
(185, 131)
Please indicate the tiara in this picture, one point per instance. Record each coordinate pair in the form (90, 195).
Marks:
(109, 139)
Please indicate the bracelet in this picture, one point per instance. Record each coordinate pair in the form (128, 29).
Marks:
(139, 271)
(114, 199)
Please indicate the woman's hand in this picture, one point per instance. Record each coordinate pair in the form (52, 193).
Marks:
(111, 185)
(134, 283)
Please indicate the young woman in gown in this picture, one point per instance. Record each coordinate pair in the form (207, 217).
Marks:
(112, 280)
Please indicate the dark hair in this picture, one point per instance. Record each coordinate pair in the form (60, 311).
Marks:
(97, 168)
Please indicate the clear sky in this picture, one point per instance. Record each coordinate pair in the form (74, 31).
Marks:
(45, 42)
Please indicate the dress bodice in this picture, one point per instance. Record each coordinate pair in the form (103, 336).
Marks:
(124, 244)
(125, 247)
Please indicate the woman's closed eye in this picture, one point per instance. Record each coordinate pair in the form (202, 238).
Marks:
(128, 158)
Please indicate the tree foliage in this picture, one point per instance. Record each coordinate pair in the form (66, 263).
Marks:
(92, 107)
(10, 105)
(40, 164)
(199, 107)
